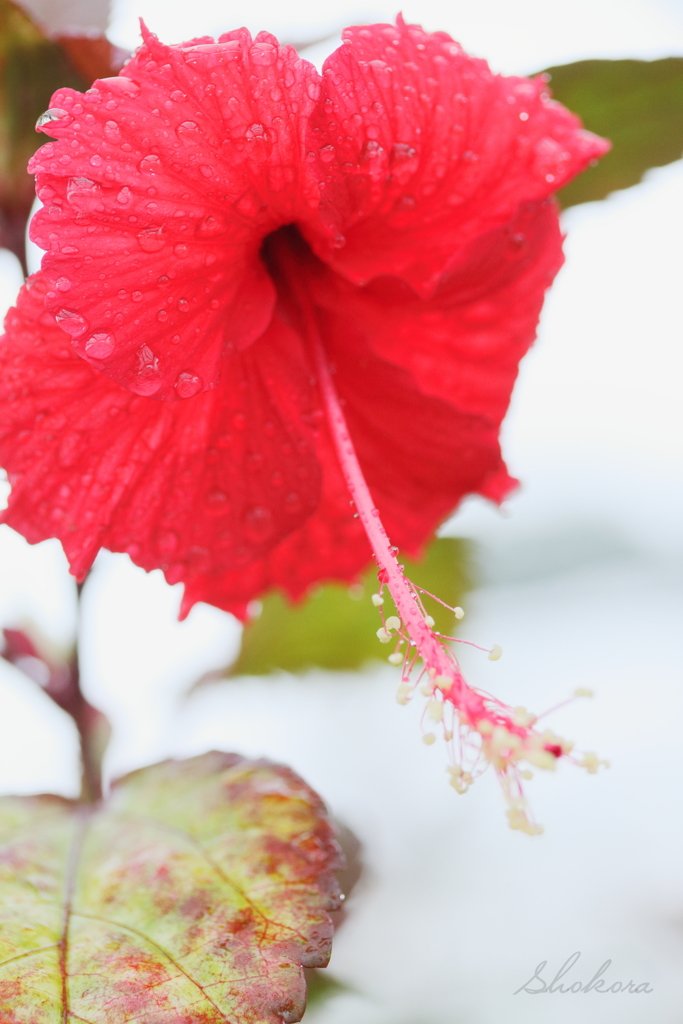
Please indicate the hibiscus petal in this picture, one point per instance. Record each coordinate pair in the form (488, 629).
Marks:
(157, 194)
(464, 344)
(194, 487)
(329, 545)
(420, 149)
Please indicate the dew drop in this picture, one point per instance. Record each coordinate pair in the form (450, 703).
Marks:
(120, 84)
(188, 131)
(71, 322)
(293, 503)
(136, 296)
(112, 131)
(327, 154)
(152, 239)
(181, 251)
(53, 114)
(100, 345)
(263, 54)
(217, 502)
(150, 164)
(188, 385)
(162, 315)
(210, 226)
(124, 196)
(183, 305)
(258, 523)
(63, 284)
(96, 160)
(145, 385)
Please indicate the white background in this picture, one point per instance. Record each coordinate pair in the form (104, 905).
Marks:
(580, 583)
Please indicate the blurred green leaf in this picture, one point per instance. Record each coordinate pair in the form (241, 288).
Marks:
(335, 626)
(196, 893)
(637, 104)
(31, 68)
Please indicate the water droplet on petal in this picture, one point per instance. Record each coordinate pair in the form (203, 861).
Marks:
(263, 54)
(71, 322)
(152, 239)
(188, 131)
(53, 114)
(100, 345)
(63, 284)
(217, 502)
(150, 164)
(112, 131)
(211, 225)
(188, 385)
(327, 154)
(120, 84)
(258, 524)
(182, 251)
(293, 503)
(125, 195)
(136, 296)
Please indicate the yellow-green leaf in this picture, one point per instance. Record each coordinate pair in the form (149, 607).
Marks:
(195, 895)
(335, 627)
(637, 104)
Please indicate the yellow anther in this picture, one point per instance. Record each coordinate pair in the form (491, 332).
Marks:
(393, 622)
(377, 600)
(430, 621)
(403, 694)
(495, 652)
(523, 717)
(448, 735)
(383, 636)
(581, 691)
(429, 738)
(526, 774)
(396, 658)
(517, 819)
(484, 727)
(591, 762)
(459, 613)
(541, 759)
(444, 682)
(435, 710)
(427, 688)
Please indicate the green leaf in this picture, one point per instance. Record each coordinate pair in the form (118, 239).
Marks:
(31, 68)
(637, 104)
(335, 627)
(195, 894)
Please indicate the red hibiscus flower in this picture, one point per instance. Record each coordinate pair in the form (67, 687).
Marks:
(280, 310)
(158, 390)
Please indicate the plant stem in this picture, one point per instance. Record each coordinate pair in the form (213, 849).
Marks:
(63, 686)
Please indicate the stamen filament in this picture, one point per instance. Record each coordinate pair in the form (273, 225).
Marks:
(483, 727)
